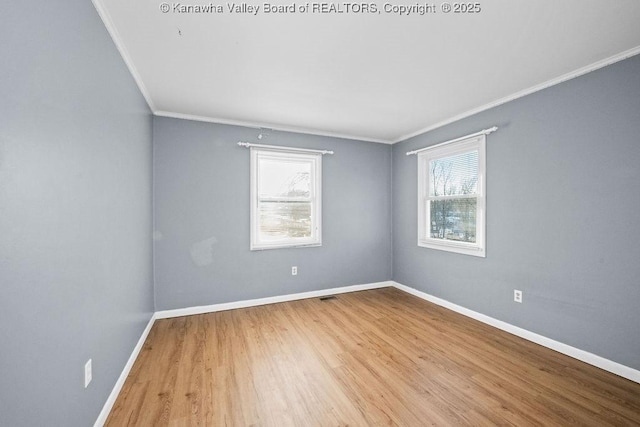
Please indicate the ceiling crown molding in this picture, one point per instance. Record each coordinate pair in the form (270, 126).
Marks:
(571, 75)
(124, 53)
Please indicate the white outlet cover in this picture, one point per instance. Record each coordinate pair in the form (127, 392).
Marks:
(517, 296)
(294, 271)
(87, 373)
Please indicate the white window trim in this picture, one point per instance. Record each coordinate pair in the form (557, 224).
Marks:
(316, 198)
(476, 142)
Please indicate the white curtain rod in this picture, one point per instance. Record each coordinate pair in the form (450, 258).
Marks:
(279, 147)
(482, 132)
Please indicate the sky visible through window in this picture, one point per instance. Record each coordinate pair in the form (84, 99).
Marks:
(287, 217)
(281, 178)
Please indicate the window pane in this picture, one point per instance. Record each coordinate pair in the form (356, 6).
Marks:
(453, 219)
(284, 178)
(454, 175)
(283, 220)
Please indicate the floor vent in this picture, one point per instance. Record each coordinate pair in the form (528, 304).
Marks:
(327, 297)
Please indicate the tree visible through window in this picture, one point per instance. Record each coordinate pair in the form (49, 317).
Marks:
(451, 210)
(285, 199)
(454, 218)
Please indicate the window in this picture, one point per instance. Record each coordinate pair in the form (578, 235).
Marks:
(286, 201)
(451, 197)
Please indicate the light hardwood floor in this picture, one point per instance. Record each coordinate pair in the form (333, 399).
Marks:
(380, 357)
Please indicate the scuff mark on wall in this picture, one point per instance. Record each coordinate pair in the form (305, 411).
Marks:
(202, 252)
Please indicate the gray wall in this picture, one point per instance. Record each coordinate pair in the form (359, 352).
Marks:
(75, 213)
(201, 206)
(563, 201)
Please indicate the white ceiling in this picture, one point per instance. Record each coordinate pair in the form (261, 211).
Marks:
(377, 77)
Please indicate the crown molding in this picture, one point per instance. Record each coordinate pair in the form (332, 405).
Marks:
(124, 53)
(120, 45)
(262, 125)
(563, 78)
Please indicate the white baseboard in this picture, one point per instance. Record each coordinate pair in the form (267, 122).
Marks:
(576, 353)
(106, 409)
(165, 314)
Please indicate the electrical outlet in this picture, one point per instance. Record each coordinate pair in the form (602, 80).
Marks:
(294, 271)
(87, 373)
(517, 296)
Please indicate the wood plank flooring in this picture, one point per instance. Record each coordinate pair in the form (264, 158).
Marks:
(380, 357)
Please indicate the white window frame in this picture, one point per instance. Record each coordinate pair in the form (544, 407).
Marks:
(315, 160)
(446, 150)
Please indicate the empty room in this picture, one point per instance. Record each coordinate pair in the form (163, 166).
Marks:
(320, 213)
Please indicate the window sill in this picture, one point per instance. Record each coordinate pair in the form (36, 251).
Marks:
(460, 248)
(264, 247)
